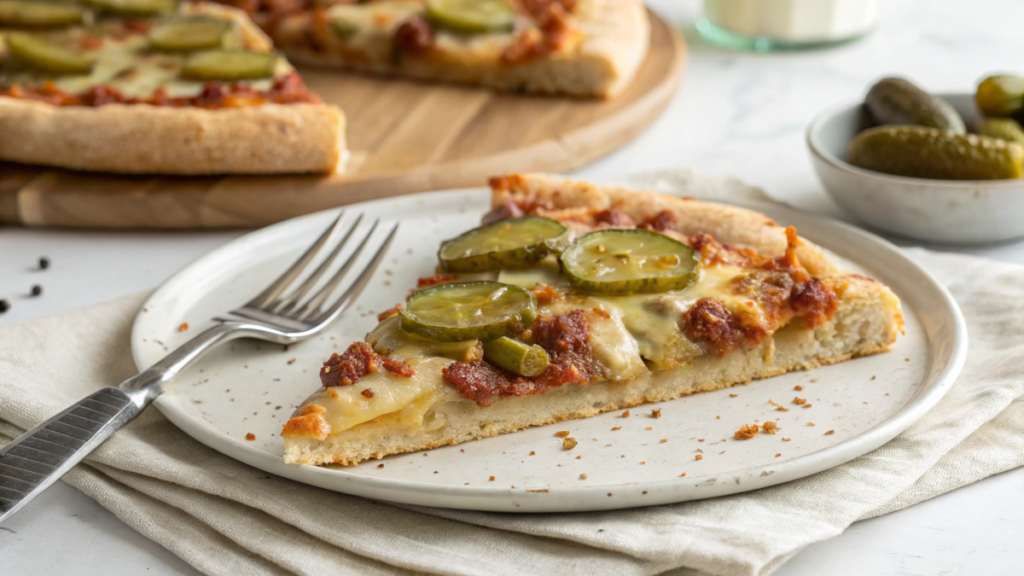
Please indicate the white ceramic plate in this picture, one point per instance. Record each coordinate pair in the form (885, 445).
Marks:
(252, 387)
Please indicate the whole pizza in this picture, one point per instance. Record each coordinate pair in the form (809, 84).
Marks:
(147, 86)
(573, 299)
(169, 87)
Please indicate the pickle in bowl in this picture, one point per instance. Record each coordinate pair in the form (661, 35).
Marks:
(918, 152)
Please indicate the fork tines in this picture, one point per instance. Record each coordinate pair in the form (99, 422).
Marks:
(280, 300)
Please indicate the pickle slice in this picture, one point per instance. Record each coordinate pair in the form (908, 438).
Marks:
(228, 65)
(471, 16)
(512, 243)
(23, 13)
(135, 7)
(469, 311)
(46, 56)
(516, 357)
(619, 262)
(190, 34)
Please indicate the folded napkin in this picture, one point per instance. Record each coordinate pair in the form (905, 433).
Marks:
(224, 517)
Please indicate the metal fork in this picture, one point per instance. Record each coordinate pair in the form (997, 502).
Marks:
(37, 458)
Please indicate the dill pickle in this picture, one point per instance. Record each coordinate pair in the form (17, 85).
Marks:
(469, 311)
(1003, 128)
(228, 65)
(511, 243)
(190, 34)
(517, 357)
(919, 152)
(135, 7)
(25, 13)
(43, 55)
(471, 16)
(1001, 95)
(899, 101)
(616, 261)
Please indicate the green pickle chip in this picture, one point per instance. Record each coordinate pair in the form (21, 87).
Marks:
(190, 34)
(617, 262)
(43, 55)
(511, 243)
(469, 311)
(471, 16)
(228, 65)
(135, 7)
(25, 13)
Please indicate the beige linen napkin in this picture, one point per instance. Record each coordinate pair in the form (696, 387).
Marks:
(224, 517)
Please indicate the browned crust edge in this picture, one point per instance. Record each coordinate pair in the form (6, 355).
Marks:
(144, 139)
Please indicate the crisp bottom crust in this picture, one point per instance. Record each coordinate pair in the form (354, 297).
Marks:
(867, 322)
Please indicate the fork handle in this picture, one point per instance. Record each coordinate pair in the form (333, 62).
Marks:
(39, 457)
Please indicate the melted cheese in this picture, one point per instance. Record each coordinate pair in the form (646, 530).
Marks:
(405, 400)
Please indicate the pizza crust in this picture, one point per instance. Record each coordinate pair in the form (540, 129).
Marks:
(613, 40)
(144, 139)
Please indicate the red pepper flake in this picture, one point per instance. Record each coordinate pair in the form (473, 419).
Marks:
(798, 388)
(777, 455)
(532, 453)
(250, 436)
(830, 432)
(698, 457)
(183, 327)
(616, 428)
(799, 401)
(491, 479)
(683, 475)
(655, 413)
(380, 465)
(733, 395)
(583, 476)
(367, 393)
(625, 414)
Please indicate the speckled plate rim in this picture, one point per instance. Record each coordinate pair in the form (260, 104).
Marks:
(943, 322)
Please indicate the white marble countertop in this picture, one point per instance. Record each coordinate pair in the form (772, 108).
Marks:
(739, 114)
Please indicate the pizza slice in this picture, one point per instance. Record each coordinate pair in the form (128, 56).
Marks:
(575, 47)
(575, 299)
(143, 86)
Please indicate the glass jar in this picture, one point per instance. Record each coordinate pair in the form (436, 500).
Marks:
(766, 25)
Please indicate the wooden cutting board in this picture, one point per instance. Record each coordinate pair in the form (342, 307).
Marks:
(404, 137)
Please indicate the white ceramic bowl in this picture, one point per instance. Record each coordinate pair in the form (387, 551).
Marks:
(952, 211)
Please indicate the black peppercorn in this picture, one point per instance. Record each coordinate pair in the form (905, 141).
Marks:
(4, 306)
(37, 290)
(44, 263)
